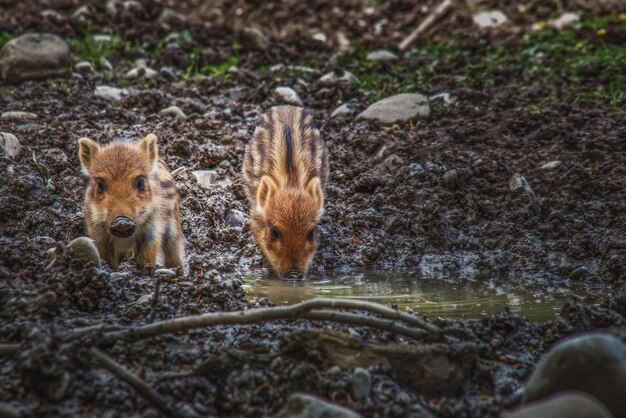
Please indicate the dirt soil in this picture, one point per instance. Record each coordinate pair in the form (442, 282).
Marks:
(399, 198)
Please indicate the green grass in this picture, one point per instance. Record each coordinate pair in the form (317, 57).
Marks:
(4, 38)
(87, 49)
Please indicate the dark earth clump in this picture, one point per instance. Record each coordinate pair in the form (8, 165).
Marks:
(468, 187)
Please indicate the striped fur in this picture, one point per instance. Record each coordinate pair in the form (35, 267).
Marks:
(285, 174)
(113, 191)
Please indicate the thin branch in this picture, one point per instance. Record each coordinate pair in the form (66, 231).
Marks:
(439, 11)
(155, 298)
(9, 349)
(178, 171)
(133, 380)
(259, 315)
(370, 321)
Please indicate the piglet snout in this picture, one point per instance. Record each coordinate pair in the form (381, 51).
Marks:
(122, 227)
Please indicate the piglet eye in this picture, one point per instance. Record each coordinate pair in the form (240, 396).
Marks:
(101, 186)
(140, 183)
(274, 234)
(310, 236)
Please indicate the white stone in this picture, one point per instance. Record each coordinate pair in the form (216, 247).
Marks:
(332, 78)
(491, 19)
(399, 108)
(518, 183)
(84, 67)
(382, 55)
(102, 39)
(106, 64)
(341, 111)
(10, 144)
(141, 71)
(173, 111)
(112, 94)
(551, 165)
(563, 21)
(288, 95)
(16, 115)
(446, 97)
(205, 177)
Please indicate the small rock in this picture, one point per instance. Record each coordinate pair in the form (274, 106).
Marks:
(361, 384)
(518, 183)
(563, 21)
(569, 404)
(341, 111)
(84, 67)
(165, 273)
(84, 249)
(491, 19)
(106, 64)
(9, 144)
(144, 299)
(288, 96)
(594, 363)
(205, 177)
(82, 11)
(141, 71)
(33, 56)
(172, 18)
(382, 55)
(398, 108)
(168, 72)
(343, 43)
(338, 77)
(21, 116)
(579, 273)
(551, 165)
(254, 39)
(300, 405)
(174, 111)
(235, 217)
(450, 179)
(112, 94)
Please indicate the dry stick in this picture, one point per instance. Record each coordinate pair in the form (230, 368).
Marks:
(258, 315)
(155, 298)
(350, 318)
(178, 171)
(9, 349)
(133, 380)
(439, 11)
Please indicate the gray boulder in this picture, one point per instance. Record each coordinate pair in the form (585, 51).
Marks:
(594, 363)
(564, 404)
(398, 108)
(34, 56)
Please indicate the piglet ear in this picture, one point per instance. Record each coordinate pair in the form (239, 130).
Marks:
(150, 149)
(314, 189)
(88, 151)
(264, 193)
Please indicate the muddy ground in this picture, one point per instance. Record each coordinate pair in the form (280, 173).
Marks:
(399, 197)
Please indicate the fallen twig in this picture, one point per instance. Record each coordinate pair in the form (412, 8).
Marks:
(178, 171)
(9, 349)
(350, 318)
(133, 380)
(155, 298)
(264, 314)
(439, 11)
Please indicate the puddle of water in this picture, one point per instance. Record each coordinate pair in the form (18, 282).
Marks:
(441, 297)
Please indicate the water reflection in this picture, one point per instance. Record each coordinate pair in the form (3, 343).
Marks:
(440, 297)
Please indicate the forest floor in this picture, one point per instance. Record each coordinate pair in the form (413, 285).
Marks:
(543, 109)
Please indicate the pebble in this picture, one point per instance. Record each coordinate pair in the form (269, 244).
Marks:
(594, 363)
(10, 144)
(382, 55)
(174, 111)
(144, 299)
(205, 177)
(172, 18)
(112, 94)
(361, 384)
(338, 77)
(165, 273)
(141, 71)
(254, 39)
(398, 108)
(565, 404)
(84, 67)
(551, 165)
(341, 111)
(491, 19)
(450, 179)
(300, 405)
(579, 273)
(168, 72)
(563, 21)
(84, 249)
(34, 56)
(106, 64)
(288, 95)
(102, 39)
(445, 97)
(236, 217)
(518, 183)
(21, 116)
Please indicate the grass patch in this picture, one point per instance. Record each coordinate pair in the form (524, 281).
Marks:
(4, 38)
(89, 48)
